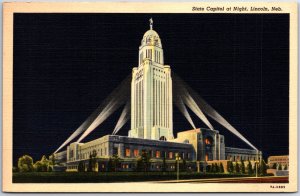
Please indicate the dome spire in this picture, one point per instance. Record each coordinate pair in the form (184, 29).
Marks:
(151, 23)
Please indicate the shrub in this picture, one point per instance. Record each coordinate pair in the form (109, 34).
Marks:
(221, 168)
(243, 167)
(249, 168)
(81, 167)
(237, 167)
(230, 167)
(25, 164)
(263, 168)
(15, 169)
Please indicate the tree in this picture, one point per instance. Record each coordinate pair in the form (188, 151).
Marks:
(146, 160)
(49, 169)
(51, 163)
(249, 168)
(237, 167)
(274, 166)
(263, 168)
(221, 168)
(92, 161)
(25, 164)
(90, 166)
(183, 165)
(285, 167)
(230, 167)
(208, 168)
(40, 166)
(217, 168)
(280, 167)
(139, 164)
(52, 160)
(116, 162)
(164, 165)
(81, 167)
(213, 168)
(109, 165)
(243, 167)
(15, 169)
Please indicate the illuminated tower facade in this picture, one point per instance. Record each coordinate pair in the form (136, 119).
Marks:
(151, 92)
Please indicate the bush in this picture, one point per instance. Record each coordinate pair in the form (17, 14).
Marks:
(249, 168)
(209, 168)
(81, 167)
(237, 167)
(230, 167)
(263, 168)
(39, 166)
(25, 164)
(15, 169)
(243, 168)
(213, 168)
(221, 168)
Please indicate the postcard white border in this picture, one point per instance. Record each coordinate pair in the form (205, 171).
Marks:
(10, 8)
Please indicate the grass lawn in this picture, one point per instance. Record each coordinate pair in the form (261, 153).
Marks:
(85, 177)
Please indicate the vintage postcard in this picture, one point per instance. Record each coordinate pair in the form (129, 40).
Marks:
(150, 97)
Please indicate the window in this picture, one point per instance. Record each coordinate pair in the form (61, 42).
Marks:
(150, 153)
(136, 152)
(208, 141)
(170, 155)
(157, 154)
(127, 152)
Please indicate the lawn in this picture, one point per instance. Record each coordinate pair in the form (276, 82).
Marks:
(86, 177)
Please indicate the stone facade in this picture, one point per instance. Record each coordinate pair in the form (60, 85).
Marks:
(282, 160)
(239, 154)
(194, 147)
(151, 92)
(128, 150)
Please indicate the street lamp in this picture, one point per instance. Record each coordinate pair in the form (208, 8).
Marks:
(177, 160)
(256, 162)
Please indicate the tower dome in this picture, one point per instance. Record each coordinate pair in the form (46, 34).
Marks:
(151, 37)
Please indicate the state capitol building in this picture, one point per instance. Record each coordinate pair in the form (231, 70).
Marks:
(151, 129)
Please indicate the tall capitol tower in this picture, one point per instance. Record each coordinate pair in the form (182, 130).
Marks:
(151, 92)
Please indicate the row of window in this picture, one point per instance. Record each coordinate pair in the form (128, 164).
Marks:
(139, 106)
(277, 159)
(157, 56)
(241, 158)
(100, 152)
(161, 108)
(156, 154)
(72, 167)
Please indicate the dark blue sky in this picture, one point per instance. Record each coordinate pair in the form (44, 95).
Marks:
(66, 64)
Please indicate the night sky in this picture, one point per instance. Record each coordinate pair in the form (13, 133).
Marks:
(66, 64)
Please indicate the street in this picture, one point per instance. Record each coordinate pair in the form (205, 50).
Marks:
(268, 179)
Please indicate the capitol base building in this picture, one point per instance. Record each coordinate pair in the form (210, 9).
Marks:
(152, 127)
